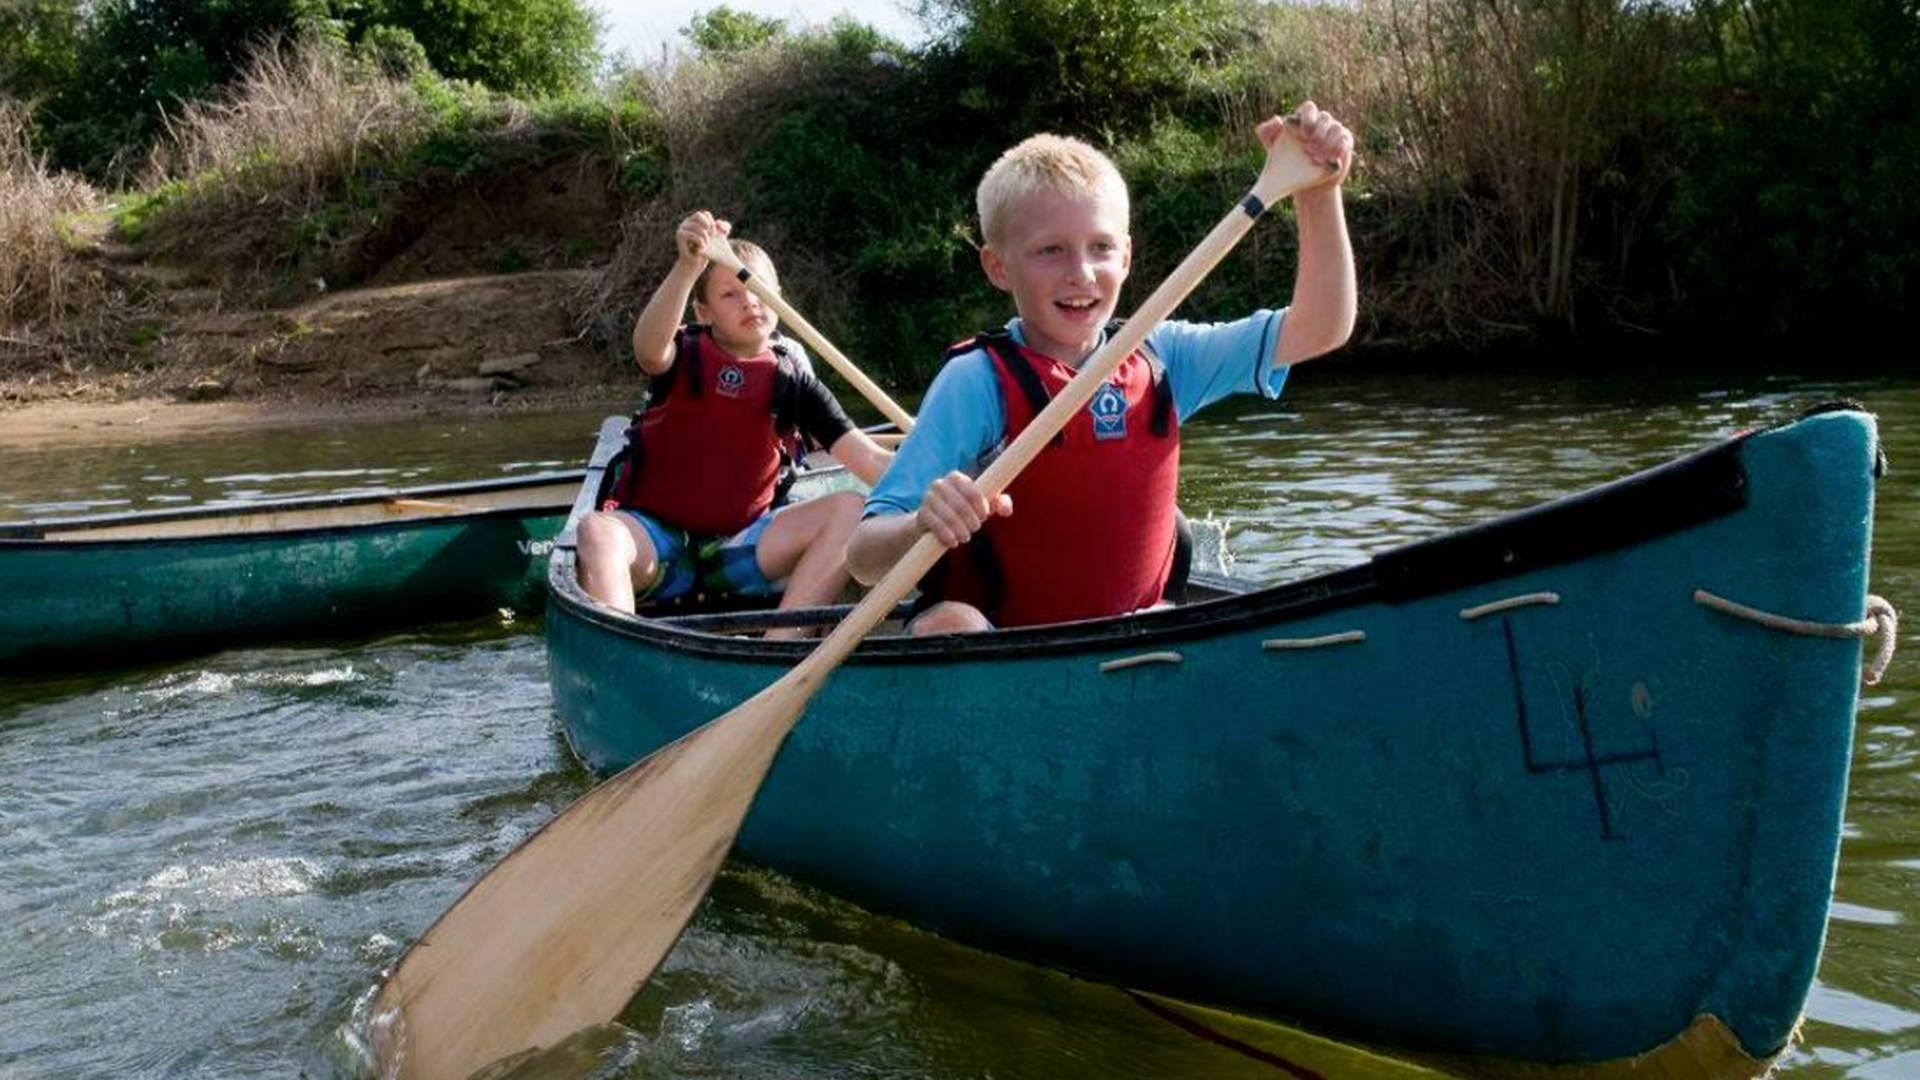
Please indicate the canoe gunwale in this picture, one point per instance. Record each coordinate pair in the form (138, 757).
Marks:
(304, 533)
(33, 532)
(1668, 498)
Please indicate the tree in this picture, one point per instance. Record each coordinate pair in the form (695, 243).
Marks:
(39, 46)
(526, 47)
(1077, 64)
(724, 31)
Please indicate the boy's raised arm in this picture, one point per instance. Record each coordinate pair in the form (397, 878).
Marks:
(862, 456)
(1325, 290)
(653, 331)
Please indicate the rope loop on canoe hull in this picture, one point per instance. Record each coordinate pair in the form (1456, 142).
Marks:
(1880, 620)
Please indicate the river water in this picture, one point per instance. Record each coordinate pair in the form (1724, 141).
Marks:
(204, 865)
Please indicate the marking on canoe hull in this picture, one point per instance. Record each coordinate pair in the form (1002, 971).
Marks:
(1588, 761)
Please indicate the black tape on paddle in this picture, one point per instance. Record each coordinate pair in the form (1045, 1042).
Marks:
(1253, 206)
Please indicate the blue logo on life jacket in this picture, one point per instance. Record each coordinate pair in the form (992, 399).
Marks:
(1109, 409)
(731, 380)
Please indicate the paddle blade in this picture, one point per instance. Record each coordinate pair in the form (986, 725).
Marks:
(566, 929)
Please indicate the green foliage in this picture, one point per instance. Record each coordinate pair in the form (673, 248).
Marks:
(138, 209)
(861, 166)
(1079, 65)
(134, 60)
(724, 31)
(1801, 161)
(394, 51)
(105, 74)
(1528, 166)
(525, 47)
(39, 46)
(1179, 178)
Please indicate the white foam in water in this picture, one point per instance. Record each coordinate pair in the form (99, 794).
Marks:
(236, 879)
(219, 683)
(687, 1024)
(323, 677)
(378, 947)
(203, 683)
(178, 897)
(1210, 550)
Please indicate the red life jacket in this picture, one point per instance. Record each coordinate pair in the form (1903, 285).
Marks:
(1092, 531)
(707, 452)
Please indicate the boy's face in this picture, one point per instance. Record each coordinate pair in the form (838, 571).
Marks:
(741, 323)
(1064, 259)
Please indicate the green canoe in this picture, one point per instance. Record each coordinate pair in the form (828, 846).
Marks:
(125, 588)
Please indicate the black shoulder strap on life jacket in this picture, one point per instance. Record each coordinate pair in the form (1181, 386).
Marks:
(786, 389)
(614, 477)
(1004, 351)
(687, 352)
(685, 368)
(1162, 421)
(786, 420)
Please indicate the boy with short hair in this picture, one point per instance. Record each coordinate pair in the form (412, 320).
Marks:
(1087, 528)
(694, 508)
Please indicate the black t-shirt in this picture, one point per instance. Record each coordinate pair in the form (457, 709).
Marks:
(816, 412)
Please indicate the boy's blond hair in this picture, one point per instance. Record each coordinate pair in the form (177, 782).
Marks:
(752, 256)
(1052, 163)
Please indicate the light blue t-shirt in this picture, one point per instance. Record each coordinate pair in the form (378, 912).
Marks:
(962, 421)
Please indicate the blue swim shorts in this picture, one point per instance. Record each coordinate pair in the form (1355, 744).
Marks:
(688, 562)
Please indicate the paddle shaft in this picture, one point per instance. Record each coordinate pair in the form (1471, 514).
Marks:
(722, 252)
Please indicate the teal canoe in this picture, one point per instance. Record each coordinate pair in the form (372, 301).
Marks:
(126, 588)
(1556, 795)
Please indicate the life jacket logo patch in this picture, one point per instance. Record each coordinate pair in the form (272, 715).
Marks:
(1109, 409)
(730, 381)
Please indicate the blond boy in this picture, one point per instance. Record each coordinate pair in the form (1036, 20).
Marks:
(1087, 529)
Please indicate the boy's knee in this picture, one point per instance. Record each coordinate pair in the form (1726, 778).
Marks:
(949, 617)
(600, 533)
(845, 506)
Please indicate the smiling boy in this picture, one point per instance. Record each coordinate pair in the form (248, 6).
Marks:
(1087, 529)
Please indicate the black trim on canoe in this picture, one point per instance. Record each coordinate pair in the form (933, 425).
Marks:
(1665, 499)
(36, 529)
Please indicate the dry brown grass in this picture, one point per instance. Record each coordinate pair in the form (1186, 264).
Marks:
(1518, 133)
(305, 121)
(712, 115)
(303, 115)
(49, 300)
(1508, 152)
